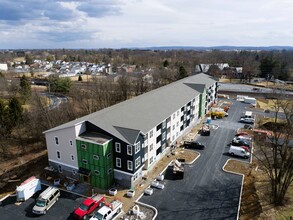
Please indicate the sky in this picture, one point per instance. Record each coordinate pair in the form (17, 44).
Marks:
(93, 24)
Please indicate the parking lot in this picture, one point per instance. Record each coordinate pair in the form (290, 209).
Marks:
(62, 209)
(206, 192)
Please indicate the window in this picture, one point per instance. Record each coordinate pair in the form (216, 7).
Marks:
(151, 133)
(84, 161)
(58, 155)
(129, 165)
(163, 124)
(129, 149)
(97, 173)
(174, 116)
(159, 127)
(117, 147)
(118, 162)
(56, 140)
(110, 171)
(137, 147)
(163, 136)
(146, 137)
(177, 124)
(74, 172)
(71, 143)
(151, 160)
(72, 157)
(96, 157)
(83, 146)
(173, 128)
(137, 162)
(108, 155)
(151, 147)
(59, 169)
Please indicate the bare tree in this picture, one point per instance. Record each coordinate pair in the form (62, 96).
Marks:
(275, 151)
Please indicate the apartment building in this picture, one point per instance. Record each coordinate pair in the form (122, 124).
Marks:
(119, 143)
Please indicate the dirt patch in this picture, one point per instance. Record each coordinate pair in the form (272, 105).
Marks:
(250, 207)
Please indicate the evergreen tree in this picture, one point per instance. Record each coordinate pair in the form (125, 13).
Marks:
(15, 111)
(25, 88)
(182, 73)
(166, 63)
(79, 78)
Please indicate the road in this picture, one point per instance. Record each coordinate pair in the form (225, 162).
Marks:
(206, 192)
(55, 100)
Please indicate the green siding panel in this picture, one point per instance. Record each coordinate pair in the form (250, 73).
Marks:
(103, 164)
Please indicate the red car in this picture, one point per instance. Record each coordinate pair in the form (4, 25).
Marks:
(88, 206)
(247, 149)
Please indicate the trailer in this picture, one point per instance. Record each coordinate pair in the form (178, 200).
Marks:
(28, 188)
(250, 100)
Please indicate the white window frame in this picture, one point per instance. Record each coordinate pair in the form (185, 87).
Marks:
(137, 162)
(58, 155)
(151, 147)
(129, 150)
(118, 147)
(83, 146)
(56, 140)
(118, 162)
(164, 136)
(84, 161)
(129, 165)
(74, 172)
(72, 157)
(151, 133)
(136, 147)
(71, 143)
(108, 156)
(109, 170)
(164, 124)
(59, 168)
(96, 157)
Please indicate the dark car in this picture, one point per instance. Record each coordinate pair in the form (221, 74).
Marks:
(240, 143)
(193, 145)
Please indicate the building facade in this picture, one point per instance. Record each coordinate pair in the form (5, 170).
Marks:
(119, 143)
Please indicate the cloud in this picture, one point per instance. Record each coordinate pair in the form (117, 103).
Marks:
(100, 8)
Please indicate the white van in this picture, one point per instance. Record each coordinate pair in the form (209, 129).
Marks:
(46, 200)
(238, 151)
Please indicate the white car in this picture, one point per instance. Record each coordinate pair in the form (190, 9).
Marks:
(247, 120)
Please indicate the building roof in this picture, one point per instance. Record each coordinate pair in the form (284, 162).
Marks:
(142, 113)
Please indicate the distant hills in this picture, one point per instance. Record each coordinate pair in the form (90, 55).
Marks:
(227, 48)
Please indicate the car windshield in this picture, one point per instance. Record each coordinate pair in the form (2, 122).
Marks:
(83, 207)
(98, 216)
(40, 203)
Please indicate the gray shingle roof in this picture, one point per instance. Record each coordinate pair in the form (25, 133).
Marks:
(144, 112)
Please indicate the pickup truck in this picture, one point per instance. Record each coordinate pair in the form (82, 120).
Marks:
(88, 206)
(193, 145)
(108, 211)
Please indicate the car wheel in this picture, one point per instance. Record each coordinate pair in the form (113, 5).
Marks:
(84, 217)
(45, 212)
(119, 210)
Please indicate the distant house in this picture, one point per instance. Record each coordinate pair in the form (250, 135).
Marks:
(3, 67)
(204, 68)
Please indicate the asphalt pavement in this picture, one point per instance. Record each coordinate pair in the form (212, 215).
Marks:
(206, 192)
